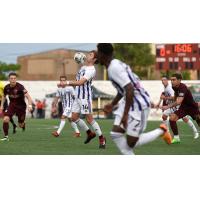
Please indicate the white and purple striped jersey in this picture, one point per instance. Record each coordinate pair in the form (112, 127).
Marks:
(85, 91)
(66, 95)
(169, 92)
(120, 75)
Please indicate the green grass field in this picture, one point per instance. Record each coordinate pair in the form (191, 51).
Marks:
(37, 140)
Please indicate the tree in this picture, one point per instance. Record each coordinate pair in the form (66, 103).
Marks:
(6, 68)
(138, 56)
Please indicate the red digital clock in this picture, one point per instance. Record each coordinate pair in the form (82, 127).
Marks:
(183, 48)
(178, 56)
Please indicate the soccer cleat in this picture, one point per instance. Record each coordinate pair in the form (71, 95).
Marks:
(90, 136)
(14, 128)
(166, 135)
(196, 135)
(176, 141)
(55, 134)
(77, 135)
(102, 143)
(5, 139)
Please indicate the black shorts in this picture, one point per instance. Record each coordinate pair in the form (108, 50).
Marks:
(191, 111)
(19, 111)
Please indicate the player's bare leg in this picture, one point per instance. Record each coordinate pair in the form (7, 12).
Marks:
(96, 128)
(6, 121)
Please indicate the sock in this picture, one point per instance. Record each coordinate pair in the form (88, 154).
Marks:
(82, 125)
(75, 127)
(149, 137)
(61, 126)
(177, 137)
(174, 127)
(12, 121)
(96, 128)
(166, 122)
(191, 124)
(5, 128)
(120, 140)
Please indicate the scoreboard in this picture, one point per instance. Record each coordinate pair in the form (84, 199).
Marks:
(178, 57)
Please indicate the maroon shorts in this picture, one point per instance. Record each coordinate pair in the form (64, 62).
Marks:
(19, 111)
(191, 111)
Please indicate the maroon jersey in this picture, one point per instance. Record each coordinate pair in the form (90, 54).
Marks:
(16, 94)
(183, 91)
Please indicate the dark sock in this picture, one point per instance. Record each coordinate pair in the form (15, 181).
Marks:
(5, 128)
(174, 127)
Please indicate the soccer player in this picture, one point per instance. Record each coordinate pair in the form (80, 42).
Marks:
(168, 97)
(133, 110)
(67, 96)
(16, 93)
(185, 102)
(5, 106)
(83, 101)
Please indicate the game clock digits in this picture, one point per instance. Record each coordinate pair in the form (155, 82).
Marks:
(178, 56)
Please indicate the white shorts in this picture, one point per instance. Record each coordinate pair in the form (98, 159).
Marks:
(137, 120)
(82, 106)
(67, 112)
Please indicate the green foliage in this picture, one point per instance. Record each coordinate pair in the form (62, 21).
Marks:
(185, 74)
(6, 68)
(137, 55)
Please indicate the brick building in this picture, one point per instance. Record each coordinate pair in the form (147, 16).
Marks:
(50, 65)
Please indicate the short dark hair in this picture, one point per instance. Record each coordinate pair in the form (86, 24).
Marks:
(63, 76)
(177, 75)
(165, 76)
(95, 56)
(12, 74)
(105, 48)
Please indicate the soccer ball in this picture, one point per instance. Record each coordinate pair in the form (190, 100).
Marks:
(79, 57)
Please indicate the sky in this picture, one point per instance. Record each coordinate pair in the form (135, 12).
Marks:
(10, 51)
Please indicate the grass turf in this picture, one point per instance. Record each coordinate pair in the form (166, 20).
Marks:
(37, 140)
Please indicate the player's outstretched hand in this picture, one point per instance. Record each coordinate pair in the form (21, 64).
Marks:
(108, 109)
(30, 108)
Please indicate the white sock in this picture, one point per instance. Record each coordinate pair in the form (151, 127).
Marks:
(82, 125)
(75, 127)
(120, 140)
(149, 137)
(96, 128)
(61, 126)
(191, 124)
(176, 137)
(166, 122)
